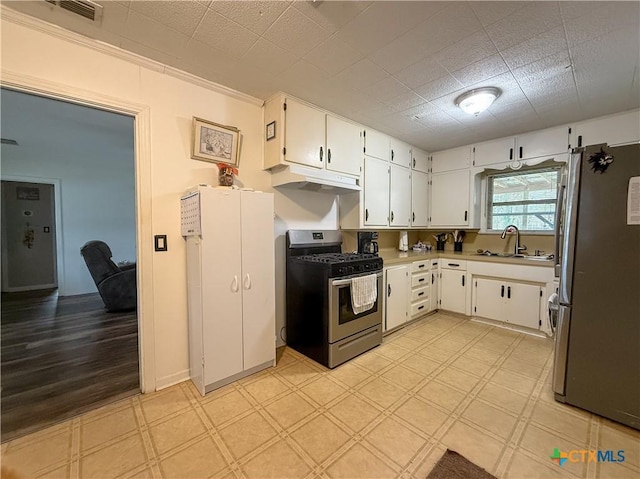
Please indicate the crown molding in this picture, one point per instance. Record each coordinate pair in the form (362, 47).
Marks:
(18, 18)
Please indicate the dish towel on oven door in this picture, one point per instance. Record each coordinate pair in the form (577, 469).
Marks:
(364, 293)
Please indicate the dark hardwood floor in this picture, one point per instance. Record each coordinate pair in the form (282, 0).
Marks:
(62, 356)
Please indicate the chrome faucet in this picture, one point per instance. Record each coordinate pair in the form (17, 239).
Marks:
(517, 248)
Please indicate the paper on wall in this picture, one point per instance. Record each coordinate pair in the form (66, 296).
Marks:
(633, 201)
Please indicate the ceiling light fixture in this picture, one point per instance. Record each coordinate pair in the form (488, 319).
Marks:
(478, 100)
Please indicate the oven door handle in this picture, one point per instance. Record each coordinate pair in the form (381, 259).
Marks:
(344, 282)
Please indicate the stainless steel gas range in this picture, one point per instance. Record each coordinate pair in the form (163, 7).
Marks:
(321, 322)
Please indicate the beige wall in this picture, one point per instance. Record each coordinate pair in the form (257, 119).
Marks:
(89, 70)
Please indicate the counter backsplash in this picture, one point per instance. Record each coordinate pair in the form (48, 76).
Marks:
(472, 241)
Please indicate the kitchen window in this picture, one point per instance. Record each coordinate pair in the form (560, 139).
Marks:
(524, 198)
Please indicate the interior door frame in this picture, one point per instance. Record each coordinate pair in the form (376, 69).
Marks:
(57, 214)
(142, 164)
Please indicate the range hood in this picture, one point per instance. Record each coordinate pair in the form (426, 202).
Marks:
(313, 179)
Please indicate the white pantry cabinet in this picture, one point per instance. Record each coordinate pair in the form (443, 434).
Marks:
(230, 284)
(400, 196)
(508, 301)
(396, 298)
(310, 136)
(450, 199)
(453, 285)
(419, 199)
(400, 152)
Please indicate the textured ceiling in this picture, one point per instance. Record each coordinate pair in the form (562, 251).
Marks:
(394, 66)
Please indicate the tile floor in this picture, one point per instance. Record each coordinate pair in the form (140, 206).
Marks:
(442, 382)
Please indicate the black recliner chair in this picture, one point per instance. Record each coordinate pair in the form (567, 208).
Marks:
(116, 284)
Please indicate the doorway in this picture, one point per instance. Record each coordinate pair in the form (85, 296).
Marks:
(62, 353)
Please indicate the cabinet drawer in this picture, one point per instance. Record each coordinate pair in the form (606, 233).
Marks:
(420, 266)
(420, 279)
(453, 264)
(420, 294)
(419, 308)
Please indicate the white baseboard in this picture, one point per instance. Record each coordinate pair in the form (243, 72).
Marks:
(168, 381)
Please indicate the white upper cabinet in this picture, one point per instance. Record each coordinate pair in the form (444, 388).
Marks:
(540, 143)
(376, 192)
(449, 160)
(376, 144)
(304, 134)
(296, 132)
(613, 130)
(400, 197)
(344, 151)
(420, 160)
(495, 151)
(450, 199)
(400, 152)
(419, 199)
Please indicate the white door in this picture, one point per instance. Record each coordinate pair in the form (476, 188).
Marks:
(522, 306)
(495, 151)
(304, 135)
(376, 144)
(400, 152)
(400, 196)
(376, 192)
(344, 152)
(449, 160)
(258, 279)
(435, 287)
(543, 143)
(397, 296)
(489, 298)
(28, 236)
(420, 161)
(450, 198)
(221, 284)
(419, 199)
(453, 290)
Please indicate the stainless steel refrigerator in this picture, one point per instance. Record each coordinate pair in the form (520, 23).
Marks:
(597, 342)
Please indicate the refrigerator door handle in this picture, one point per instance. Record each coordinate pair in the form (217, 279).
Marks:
(558, 219)
(570, 223)
(560, 353)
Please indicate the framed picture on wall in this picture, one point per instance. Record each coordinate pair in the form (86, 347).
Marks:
(215, 143)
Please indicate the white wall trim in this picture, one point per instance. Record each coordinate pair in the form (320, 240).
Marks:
(57, 211)
(39, 25)
(173, 379)
(144, 241)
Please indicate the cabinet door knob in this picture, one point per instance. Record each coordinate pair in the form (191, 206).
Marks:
(520, 152)
(414, 162)
(388, 290)
(413, 216)
(328, 155)
(511, 153)
(466, 214)
(502, 291)
(366, 214)
(234, 284)
(321, 153)
(463, 280)
(432, 278)
(509, 292)
(392, 154)
(392, 216)
(247, 281)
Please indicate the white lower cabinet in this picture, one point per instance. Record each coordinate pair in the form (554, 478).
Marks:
(396, 289)
(508, 301)
(453, 286)
(420, 288)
